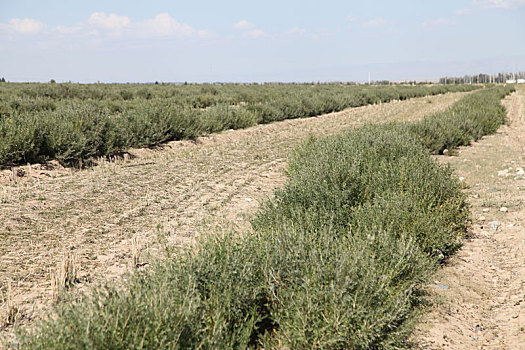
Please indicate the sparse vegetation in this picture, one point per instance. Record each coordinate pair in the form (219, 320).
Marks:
(11, 311)
(335, 261)
(73, 123)
(65, 274)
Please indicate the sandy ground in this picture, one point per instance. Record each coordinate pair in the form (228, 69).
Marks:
(113, 215)
(480, 293)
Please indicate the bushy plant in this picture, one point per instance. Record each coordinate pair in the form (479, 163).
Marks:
(105, 119)
(334, 179)
(472, 117)
(335, 260)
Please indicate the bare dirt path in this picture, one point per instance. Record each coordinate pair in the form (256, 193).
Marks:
(106, 213)
(481, 293)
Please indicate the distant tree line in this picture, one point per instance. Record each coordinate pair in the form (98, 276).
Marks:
(482, 78)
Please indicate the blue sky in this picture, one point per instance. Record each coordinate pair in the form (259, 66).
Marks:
(197, 41)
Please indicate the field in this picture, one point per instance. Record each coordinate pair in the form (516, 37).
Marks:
(483, 306)
(319, 264)
(74, 123)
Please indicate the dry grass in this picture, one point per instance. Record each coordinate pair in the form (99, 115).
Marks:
(136, 250)
(177, 190)
(65, 275)
(10, 309)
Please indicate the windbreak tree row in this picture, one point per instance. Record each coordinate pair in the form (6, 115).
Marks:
(72, 124)
(335, 260)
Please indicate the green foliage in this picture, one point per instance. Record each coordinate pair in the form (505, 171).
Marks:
(334, 263)
(78, 122)
(349, 180)
(210, 299)
(474, 116)
(339, 290)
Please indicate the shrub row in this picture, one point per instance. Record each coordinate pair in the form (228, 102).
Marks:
(477, 115)
(36, 127)
(334, 263)
(198, 95)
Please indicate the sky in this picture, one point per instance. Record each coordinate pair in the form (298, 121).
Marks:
(258, 41)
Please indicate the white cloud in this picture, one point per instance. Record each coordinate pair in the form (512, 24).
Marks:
(67, 30)
(376, 22)
(23, 26)
(243, 25)
(463, 12)
(101, 26)
(254, 34)
(204, 34)
(163, 25)
(111, 22)
(160, 26)
(249, 30)
(499, 3)
(437, 22)
(351, 18)
(296, 30)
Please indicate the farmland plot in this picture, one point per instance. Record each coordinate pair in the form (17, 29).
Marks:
(178, 191)
(335, 261)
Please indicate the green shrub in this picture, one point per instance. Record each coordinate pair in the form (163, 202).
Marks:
(334, 290)
(373, 167)
(116, 117)
(21, 138)
(209, 300)
(221, 117)
(472, 117)
(334, 262)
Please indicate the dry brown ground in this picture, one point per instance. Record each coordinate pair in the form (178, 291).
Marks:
(175, 192)
(481, 294)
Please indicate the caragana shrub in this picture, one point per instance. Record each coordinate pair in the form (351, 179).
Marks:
(73, 123)
(470, 118)
(334, 262)
(333, 178)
